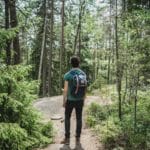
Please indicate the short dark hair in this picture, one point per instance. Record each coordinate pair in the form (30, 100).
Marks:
(75, 61)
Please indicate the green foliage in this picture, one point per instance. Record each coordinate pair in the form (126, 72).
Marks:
(17, 94)
(105, 123)
(132, 132)
(97, 84)
(109, 131)
(97, 34)
(47, 130)
(114, 133)
(6, 35)
(11, 135)
(138, 136)
(96, 114)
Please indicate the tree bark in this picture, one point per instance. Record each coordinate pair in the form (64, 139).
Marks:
(75, 41)
(50, 51)
(136, 82)
(14, 24)
(8, 42)
(62, 57)
(109, 55)
(43, 45)
(44, 63)
(124, 5)
(44, 74)
(118, 75)
(79, 47)
(78, 31)
(7, 25)
(126, 86)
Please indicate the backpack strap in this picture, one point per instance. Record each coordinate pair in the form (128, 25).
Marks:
(72, 72)
(77, 84)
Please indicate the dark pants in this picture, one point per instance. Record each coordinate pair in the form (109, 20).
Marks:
(78, 105)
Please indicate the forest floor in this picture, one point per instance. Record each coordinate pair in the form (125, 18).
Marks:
(52, 108)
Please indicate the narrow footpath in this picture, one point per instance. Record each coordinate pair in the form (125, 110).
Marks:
(51, 108)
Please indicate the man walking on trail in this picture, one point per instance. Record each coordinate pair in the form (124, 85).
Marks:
(73, 97)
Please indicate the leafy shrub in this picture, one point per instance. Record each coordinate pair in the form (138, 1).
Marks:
(91, 121)
(114, 133)
(96, 114)
(47, 130)
(11, 135)
(7, 35)
(22, 125)
(137, 137)
(97, 84)
(109, 131)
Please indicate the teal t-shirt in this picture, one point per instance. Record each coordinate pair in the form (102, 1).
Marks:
(69, 77)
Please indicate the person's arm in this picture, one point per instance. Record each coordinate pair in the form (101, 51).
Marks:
(84, 96)
(65, 93)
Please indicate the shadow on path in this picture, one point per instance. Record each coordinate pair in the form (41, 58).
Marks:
(67, 147)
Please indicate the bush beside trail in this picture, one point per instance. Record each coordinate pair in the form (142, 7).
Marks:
(114, 133)
(20, 123)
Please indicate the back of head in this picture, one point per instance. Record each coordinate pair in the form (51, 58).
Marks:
(75, 61)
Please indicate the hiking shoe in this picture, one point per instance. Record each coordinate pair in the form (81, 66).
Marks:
(65, 141)
(77, 140)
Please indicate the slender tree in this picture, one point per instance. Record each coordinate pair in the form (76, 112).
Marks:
(8, 42)
(14, 24)
(7, 26)
(118, 71)
(78, 31)
(44, 64)
(43, 44)
(51, 49)
(62, 57)
(124, 5)
(110, 36)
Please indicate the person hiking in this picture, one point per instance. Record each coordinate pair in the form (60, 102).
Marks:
(73, 98)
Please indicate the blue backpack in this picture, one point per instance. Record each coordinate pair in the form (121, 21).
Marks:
(79, 84)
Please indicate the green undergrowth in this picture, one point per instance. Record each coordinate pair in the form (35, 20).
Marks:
(116, 134)
(20, 122)
(105, 91)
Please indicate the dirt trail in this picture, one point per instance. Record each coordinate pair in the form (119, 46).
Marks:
(53, 106)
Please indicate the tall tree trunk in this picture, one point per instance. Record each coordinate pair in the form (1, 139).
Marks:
(126, 86)
(125, 49)
(136, 82)
(14, 23)
(50, 51)
(75, 41)
(95, 63)
(62, 57)
(108, 72)
(124, 5)
(109, 55)
(129, 5)
(44, 63)
(79, 40)
(78, 31)
(118, 75)
(43, 45)
(44, 70)
(8, 43)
